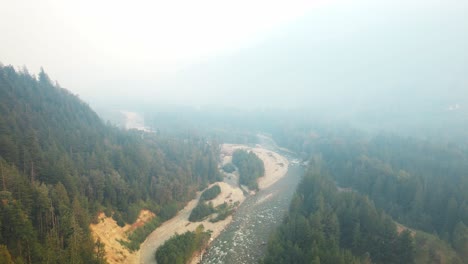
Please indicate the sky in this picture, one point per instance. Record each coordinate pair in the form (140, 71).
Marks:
(325, 54)
(83, 44)
(345, 57)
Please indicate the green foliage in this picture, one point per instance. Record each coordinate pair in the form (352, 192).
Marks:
(180, 248)
(139, 235)
(427, 193)
(223, 211)
(132, 213)
(204, 209)
(169, 210)
(431, 249)
(117, 216)
(229, 168)
(460, 239)
(250, 168)
(5, 257)
(211, 193)
(420, 183)
(100, 252)
(343, 228)
(201, 211)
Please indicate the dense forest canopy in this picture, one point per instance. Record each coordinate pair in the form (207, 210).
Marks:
(60, 165)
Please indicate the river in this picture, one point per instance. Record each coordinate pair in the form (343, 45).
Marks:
(245, 239)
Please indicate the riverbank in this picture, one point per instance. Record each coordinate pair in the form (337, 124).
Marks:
(107, 230)
(180, 223)
(276, 167)
(245, 239)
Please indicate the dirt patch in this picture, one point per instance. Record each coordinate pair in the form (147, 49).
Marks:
(109, 233)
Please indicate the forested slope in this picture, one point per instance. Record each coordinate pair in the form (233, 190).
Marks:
(324, 226)
(60, 165)
(419, 183)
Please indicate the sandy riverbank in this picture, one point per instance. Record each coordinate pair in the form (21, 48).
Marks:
(180, 223)
(107, 230)
(276, 167)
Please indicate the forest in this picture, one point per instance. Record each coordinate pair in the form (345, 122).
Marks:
(250, 168)
(420, 183)
(60, 165)
(325, 225)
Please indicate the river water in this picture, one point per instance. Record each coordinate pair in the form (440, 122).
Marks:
(245, 239)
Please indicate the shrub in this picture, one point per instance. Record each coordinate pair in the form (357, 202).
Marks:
(229, 168)
(211, 193)
(201, 211)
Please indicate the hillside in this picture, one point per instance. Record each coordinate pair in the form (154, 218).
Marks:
(61, 166)
(418, 183)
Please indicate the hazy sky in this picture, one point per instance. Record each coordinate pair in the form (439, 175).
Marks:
(339, 53)
(84, 43)
(346, 57)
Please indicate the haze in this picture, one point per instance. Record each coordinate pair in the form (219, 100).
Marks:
(89, 45)
(211, 131)
(342, 56)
